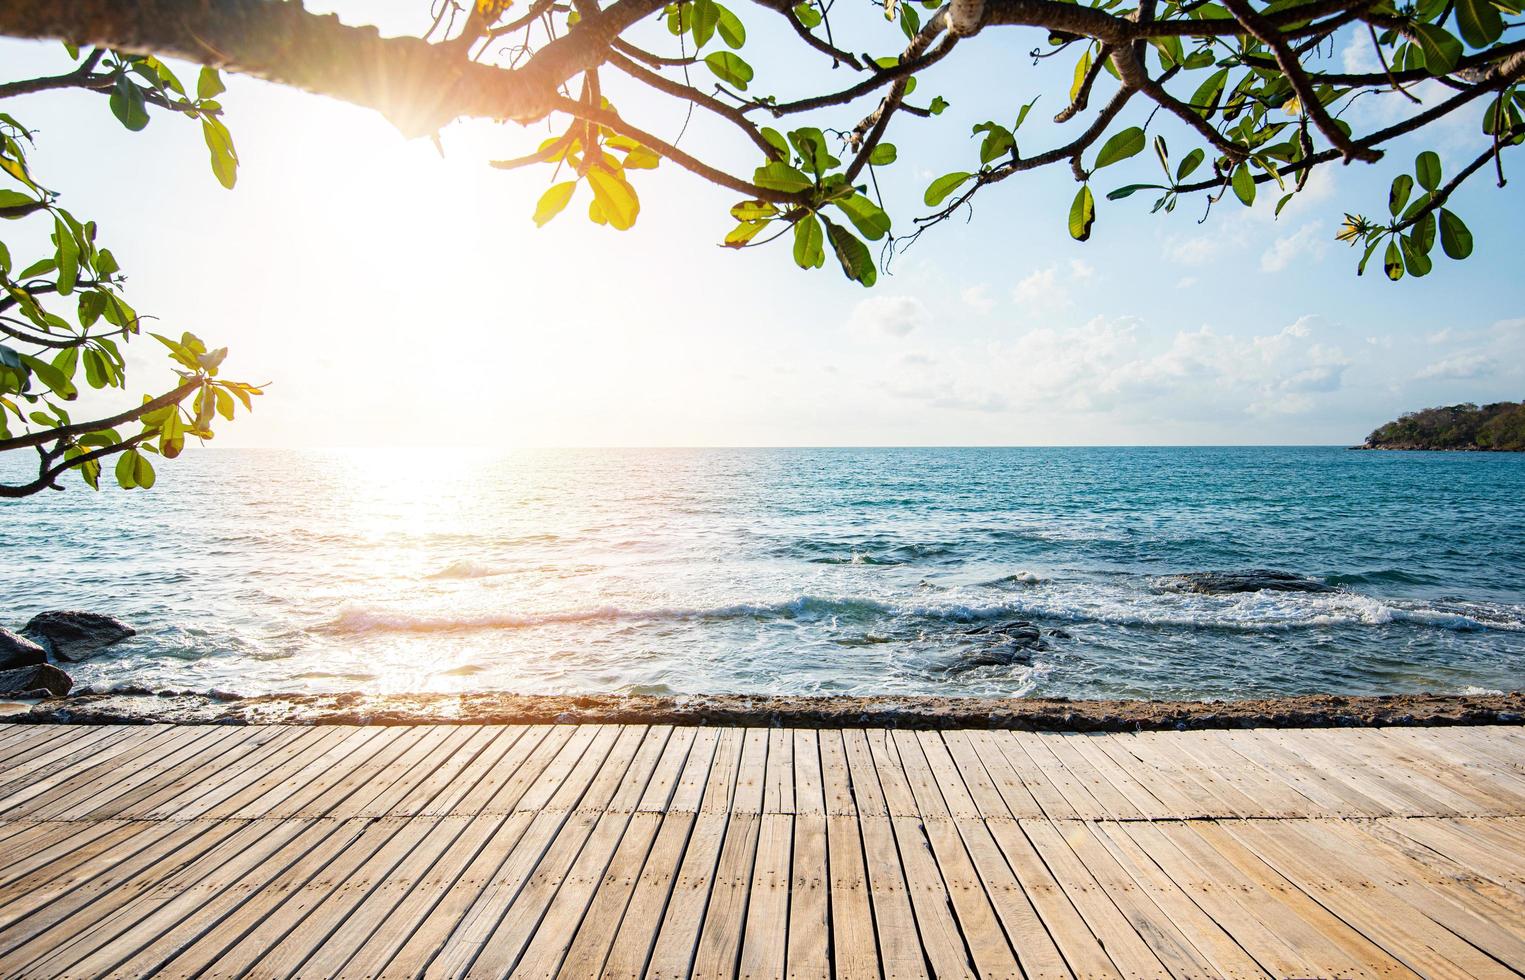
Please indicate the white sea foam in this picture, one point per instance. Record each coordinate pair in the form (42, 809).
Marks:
(466, 568)
(1075, 603)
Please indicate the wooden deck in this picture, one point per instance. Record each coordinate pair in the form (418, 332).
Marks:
(622, 852)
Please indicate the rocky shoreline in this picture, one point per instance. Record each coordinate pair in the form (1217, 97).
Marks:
(1032, 714)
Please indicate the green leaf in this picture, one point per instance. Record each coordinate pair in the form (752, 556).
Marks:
(868, 217)
(1427, 169)
(56, 380)
(882, 155)
(1398, 194)
(1455, 239)
(1441, 50)
(942, 187)
(729, 68)
(776, 140)
(938, 105)
(743, 233)
(730, 28)
(615, 197)
(127, 103)
(1392, 263)
(220, 144)
(807, 15)
(1205, 101)
(67, 257)
(554, 201)
(209, 84)
(808, 253)
(126, 469)
(754, 211)
(1082, 68)
(1131, 189)
(779, 176)
(1417, 263)
(857, 263)
(1121, 146)
(1189, 163)
(1082, 214)
(706, 16)
(1423, 233)
(1244, 184)
(142, 471)
(1479, 22)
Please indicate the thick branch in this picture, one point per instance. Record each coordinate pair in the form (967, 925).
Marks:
(48, 474)
(419, 86)
(80, 428)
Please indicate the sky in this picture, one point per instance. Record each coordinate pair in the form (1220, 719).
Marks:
(395, 295)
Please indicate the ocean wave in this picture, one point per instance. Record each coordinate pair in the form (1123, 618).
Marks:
(1381, 576)
(1016, 578)
(1244, 613)
(466, 568)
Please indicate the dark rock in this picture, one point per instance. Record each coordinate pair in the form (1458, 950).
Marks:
(18, 651)
(74, 636)
(1247, 580)
(36, 681)
(1061, 634)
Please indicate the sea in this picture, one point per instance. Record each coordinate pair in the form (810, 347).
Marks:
(788, 571)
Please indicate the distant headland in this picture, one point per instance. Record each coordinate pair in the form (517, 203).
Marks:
(1499, 427)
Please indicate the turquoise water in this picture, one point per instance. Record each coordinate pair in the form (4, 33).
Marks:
(789, 571)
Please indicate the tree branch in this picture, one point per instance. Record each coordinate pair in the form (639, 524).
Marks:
(80, 428)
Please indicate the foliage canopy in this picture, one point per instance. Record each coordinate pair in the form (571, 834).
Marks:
(63, 315)
(1252, 93)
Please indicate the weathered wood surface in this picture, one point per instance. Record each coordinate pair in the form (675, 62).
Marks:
(560, 851)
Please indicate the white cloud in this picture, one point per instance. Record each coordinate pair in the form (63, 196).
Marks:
(1460, 366)
(1047, 290)
(978, 298)
(1041, 288)
(1439, 336)
(1117, 363)
(891, 316)
(1186, 282)
(1306, 241)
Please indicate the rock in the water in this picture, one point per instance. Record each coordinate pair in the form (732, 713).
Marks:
(36, 681)
(18, 651)
(1248, 580)
(74, 636)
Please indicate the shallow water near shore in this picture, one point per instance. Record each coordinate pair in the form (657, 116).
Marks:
(864, 572)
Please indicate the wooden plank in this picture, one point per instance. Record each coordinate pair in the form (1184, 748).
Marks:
(1286, 908)
(1025, 932)
(1219, 893)
(556, 895)
(1402, 931)
(1207, 941)
(208, 905)
(478, 934)
(941, 939)
(677, 936)
(806, 957)
(623, 944)
(854, 949)
(1109, 924)
(900, 950)
(720, 938)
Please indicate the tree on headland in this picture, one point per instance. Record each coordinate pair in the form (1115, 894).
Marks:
(1499, 427)
(1252, 94)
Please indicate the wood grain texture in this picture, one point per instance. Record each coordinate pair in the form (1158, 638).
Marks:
(628, 851)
